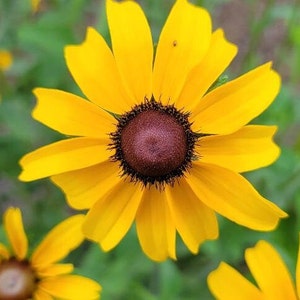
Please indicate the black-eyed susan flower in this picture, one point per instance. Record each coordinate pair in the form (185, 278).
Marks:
(152, 145)
(269, 271)
(6, 59)
(40, 276)
(35, 5)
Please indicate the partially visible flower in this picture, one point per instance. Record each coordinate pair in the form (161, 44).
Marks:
(35, 4)
(40, 276)
(269, 271)
(155, 145)
(6, 59)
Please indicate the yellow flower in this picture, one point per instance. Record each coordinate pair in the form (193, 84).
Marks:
(5, 59)
(35, 5)
(41, 277)
(269, 271)
(151, 145)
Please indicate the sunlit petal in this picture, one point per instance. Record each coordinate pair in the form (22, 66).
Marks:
(183, 42)
(4, 253)
(132, 46)
(233, 197)
(232, 105)
(13, 225)
(218, 57)
(226, 283)
(155, 227)
(59, 242)
(39, 294)
(71, 287)
(247, 149)
(270, 272)
(71, 115)
(85, 186)
(54, 270)
(111, 217)
(194, 221)
(63, 156)
(94, 69)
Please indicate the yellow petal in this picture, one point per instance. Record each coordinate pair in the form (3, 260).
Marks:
(247, 149)
(13, 225)
(4, 253)
(71, 287)
(194, 221)
(59, 242)
(270, 272)
(233, 197)
(226, 283)
(35, 5)
(218, 57)
(6, 59)
(71, 115)
(85, 186)
(298, 271)
(155, 227)
(132, 47)
(94, 69)
(63, 156)
(229, 107)
(183, 43)
(54, 270)
(39, 294)
(111, 217)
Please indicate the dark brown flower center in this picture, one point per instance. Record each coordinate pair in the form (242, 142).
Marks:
(154, 143)
(17, 280)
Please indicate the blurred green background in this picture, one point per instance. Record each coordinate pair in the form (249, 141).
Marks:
(263, 29)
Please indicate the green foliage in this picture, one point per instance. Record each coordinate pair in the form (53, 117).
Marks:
(37, 42)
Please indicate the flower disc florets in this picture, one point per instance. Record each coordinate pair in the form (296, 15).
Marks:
(17, 280)
(153, 143)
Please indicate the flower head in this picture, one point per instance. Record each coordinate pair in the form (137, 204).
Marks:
(35, 5)
(40, 276)
(152, 145)
(269, 271)
(6, 59)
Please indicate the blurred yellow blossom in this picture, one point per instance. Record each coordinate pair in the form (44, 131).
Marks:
(40, 276)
